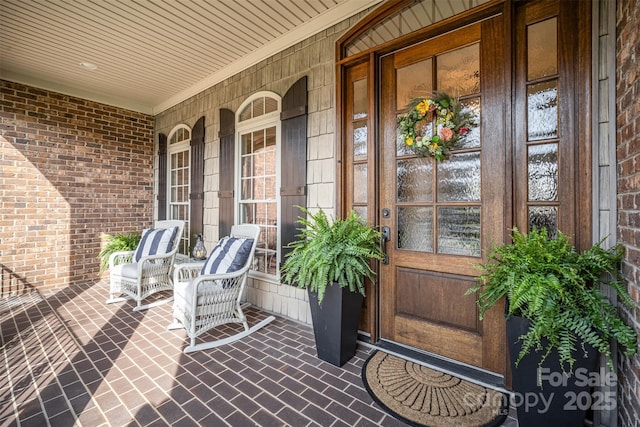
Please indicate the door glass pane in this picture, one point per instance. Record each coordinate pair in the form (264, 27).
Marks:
(542, 109)
(543, 172)
(360, 99)
(544, 217)
(360, 183)
(459, 178)
(402, 149)
(459, 230)
(459, 71)
(415, 179)
(415, 228)
(413, 81)
(360, 142)
(472, 138)
(542, 49)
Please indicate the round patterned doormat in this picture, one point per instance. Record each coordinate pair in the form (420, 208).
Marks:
(422, 396)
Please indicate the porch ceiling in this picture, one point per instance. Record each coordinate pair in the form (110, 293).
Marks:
(151, 54)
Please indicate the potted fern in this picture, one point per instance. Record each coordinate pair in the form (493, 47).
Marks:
(331, 258)
(558, 320)
(116, 243)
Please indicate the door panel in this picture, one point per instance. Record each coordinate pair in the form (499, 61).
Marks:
(444, 215)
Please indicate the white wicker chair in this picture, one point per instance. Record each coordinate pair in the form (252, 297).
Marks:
(203, 302)
(151, 274)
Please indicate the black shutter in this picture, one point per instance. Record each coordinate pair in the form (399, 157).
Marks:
(162, 176)
(293, 190)
(196, 197)
(227, 170)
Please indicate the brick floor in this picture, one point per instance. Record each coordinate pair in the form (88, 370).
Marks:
(69, 359)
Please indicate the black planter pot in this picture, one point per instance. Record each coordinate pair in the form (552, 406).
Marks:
(335, 323)
(559, 400)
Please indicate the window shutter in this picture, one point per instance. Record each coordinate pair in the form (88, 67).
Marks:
(227, 170)
(293, 190)
(196, 197)
(162, 176)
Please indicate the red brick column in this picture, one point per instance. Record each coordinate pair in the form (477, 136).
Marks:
(628, 189)
(70, 170)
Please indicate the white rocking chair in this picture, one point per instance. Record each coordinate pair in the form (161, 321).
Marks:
(207, 296)
(147, 270)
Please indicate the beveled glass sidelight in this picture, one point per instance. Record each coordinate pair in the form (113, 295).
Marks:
(459, 178)
(361, 211)
(415, 228)
(360, 183)
(542, 167)
(360, 99)
(360, 142)
(415, 80)
(459, 230)
(415, 180)
(542, 110)
(458, 71)
(542, 49)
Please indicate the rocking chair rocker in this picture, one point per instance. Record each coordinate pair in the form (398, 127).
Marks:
(207, 296)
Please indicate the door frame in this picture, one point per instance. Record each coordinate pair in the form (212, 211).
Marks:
(509, 9)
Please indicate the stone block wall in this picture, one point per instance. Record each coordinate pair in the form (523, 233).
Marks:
(628, 191)
(70, 170)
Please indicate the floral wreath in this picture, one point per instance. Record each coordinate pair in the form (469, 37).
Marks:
(451, 122)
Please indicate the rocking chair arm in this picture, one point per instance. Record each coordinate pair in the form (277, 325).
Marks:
(120, 257)
(222, 276)
(204, 278)
(186, 271)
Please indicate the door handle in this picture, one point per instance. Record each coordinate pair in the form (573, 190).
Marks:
(385, 236)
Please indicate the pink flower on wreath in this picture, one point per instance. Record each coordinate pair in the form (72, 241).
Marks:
(445, 133)
(463, 130)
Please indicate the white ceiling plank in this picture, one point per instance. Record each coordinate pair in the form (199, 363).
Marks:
(151, 54)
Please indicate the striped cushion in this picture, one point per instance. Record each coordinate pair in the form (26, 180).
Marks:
(230, 254)
(155, 242)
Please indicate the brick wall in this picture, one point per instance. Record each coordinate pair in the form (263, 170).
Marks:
(628, 189)
(71, 170)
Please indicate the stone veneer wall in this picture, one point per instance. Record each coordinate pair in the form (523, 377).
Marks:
(70, 170)
(628, 190)
(314, 58)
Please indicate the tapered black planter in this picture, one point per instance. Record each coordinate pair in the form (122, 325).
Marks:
(335, 323)
(560, 400)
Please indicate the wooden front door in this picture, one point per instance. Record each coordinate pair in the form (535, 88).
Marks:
(443, 216)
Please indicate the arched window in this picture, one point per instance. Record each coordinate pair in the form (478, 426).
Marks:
(178, 180)
(257, 180)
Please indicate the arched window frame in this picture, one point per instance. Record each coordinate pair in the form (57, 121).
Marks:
(271, 119)
(172, 149)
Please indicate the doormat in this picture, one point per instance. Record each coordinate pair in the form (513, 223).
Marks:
(421, 396)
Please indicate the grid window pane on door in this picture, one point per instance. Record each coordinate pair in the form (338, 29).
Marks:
(258, 200)
(543, 127)
(179, 182)
(439, 203)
